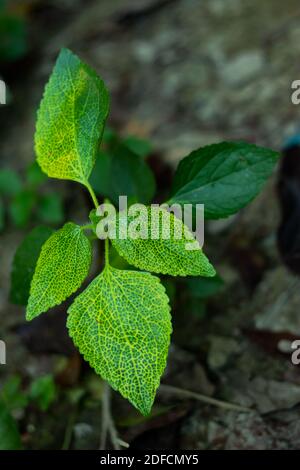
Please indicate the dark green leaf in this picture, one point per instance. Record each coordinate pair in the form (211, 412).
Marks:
(116, 260)
(10, 183)
(21, 208)
(12, 394)
(24, 263)
(204, 287)
(100, 177)
(50, 209)
(43, 391)
(109, 136)
(170, 287)
(140, 147)
(122, 172)
(224, 177)
(34, 174)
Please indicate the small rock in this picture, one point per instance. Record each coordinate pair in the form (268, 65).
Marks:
(242, 68)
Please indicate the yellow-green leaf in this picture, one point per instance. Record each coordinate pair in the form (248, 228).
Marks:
(121, 324)
(71, 119)
(165, 254)
(62, 266)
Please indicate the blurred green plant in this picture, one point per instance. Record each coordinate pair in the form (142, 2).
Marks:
(22, 202)
(9, 435)
(24, 263)
(12, 394)
(198, 291)
(14, 400)
(41, 392)
(13, 34)
(120, 168)
(204, 287)
(121, 322)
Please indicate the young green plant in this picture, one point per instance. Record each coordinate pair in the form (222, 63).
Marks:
(121, 322)
(23, 201)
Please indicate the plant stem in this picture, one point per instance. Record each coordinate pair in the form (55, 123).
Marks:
(86, 227)
(69, 430)
(105, 416)
(92, 194)
(107, 421)
(108, 425)
(106, 252)
(181, 393)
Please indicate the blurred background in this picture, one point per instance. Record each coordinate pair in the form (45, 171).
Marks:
(182, 74)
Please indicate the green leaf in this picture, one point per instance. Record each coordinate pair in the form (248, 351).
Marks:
(34, 174)
(100, 177)
(10, 183)
(62, 266)
(116, 261)
(71, 119)
(43, 391)
(50, 209)
(21, 208)
(122, 172)
(170, 286)
(109, 136)
(163, 255)
(9, 434)
(12, 395)
(224, 177)
(140, 147)
(121, 324)
(24, 263)
(202, 288)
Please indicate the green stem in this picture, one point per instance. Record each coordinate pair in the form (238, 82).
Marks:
(95, 201)
(93, 195)
(69, 429)
(106, 252)
(107, 201)
(86, 227)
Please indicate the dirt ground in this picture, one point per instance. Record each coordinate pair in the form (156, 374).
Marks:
(183, 73)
